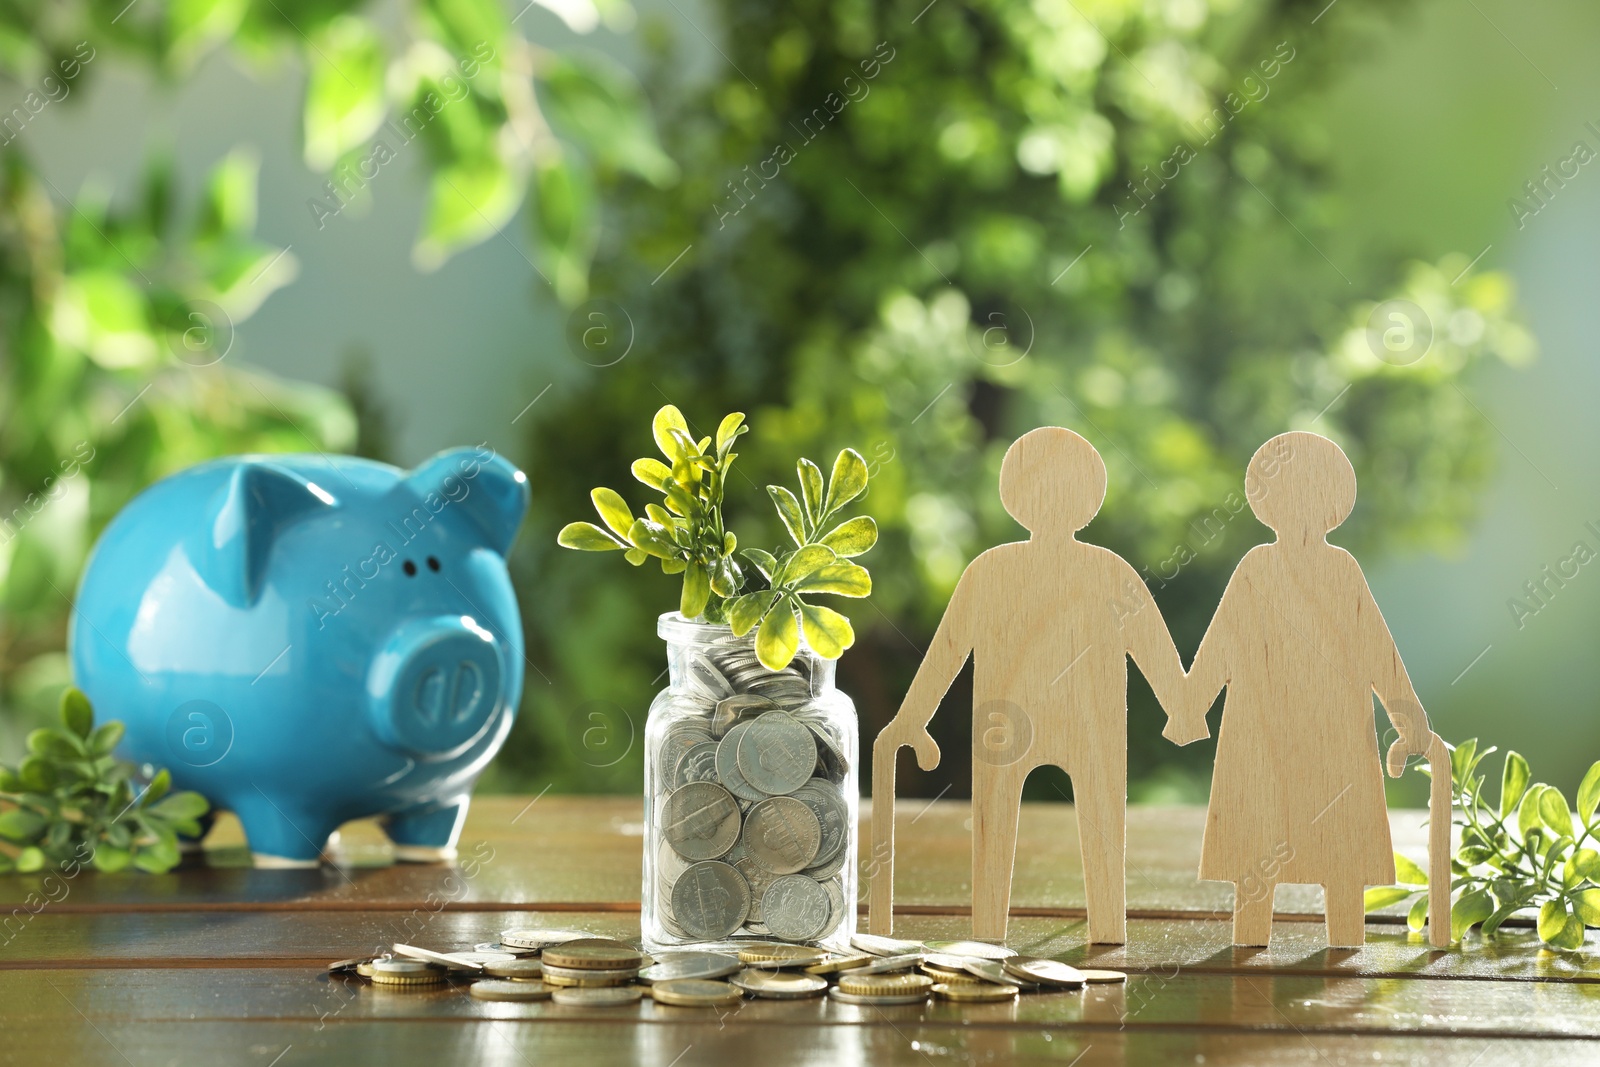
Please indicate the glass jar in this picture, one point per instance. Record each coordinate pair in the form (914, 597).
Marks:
(751, 797)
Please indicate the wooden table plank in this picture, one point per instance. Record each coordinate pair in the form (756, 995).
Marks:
(696, 1044)
(579, 852)
(1288, 1004)
(1154, 946)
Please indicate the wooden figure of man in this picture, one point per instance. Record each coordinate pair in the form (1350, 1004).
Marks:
(1297, 793)
(1049, 622)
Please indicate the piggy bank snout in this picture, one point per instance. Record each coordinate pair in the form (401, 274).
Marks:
(434, 686)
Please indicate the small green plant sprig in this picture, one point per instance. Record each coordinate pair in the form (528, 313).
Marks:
(688, 536)
(1524, 851)
(71, 802)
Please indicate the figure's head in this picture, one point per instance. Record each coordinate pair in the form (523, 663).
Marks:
(1301, 485)
(1052, 481)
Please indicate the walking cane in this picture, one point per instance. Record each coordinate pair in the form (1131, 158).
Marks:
(880, 892)
(1439, 797)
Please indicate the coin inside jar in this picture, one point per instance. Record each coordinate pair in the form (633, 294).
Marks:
(710, 900)
(701, 821)
(783, 835)
(795, 908)
(777, 754)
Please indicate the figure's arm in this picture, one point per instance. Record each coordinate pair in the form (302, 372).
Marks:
(947, 653)
(1209, 671)
(1392, 684)
(1146, 638)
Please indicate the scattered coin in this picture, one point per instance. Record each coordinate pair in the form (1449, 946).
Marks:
(592, 953)
(875, 945)
(876, 999)
(976, 992)
(510, 950)
(443, 959)
(835, 964)
(690, 965)
(365, 969)
(406, 972)
(1044, 971)
(520, 969)
(539, 939)
(887, 964)
(696, 993)
(346, 966)
(981, 949)
(602, 997)
(772, 955)
(872, 985)
(991, 971)
(1090, 975)
(939, 974)
(779, 985)
(496, 989)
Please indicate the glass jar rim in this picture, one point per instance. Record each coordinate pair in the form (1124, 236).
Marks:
(674, 628)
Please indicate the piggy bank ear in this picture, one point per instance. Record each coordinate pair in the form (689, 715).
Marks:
(480, 485)
(246, 515)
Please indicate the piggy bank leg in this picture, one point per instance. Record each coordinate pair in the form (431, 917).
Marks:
(427, 834)
(281, 839)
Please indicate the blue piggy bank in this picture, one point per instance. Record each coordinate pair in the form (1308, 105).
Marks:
(311, 639)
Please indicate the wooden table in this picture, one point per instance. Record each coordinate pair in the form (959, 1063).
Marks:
(221, 964)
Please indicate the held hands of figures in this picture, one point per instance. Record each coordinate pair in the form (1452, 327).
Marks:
(898, 735)
(1401, 750)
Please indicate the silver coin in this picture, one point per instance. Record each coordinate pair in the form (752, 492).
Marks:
(831, 759)
(779, 985)
(701, 821)
(450, 961)
(691, 965)
(980, 949)
(510, 950)
(835, 891)
(823, 871)
(890, 964)
(539, 938)
(669, 865)
(782, 834)
(736, 708)
(833, 815)
(795, 908)
(710, 900)
(699, 764)
(758, 878)
(524, 969)
(708, 679)
(678, 738)
(994, 971)
(777, 754)
(598, 996)
(495, 989)
(728, 772)
(877, 945)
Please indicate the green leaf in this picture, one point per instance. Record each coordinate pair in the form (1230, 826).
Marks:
(1417, 917)
(159, 787)
(803, 562)
(587, 537)
(1408, 872)
(1558, 927)
(1528, 819)
(763, 561)
(566, 223)
(78, 715)
(1462, 758)
(778, 638)
(10, 781)
(30, 859)
(598, 104)
(106, 738)
(1381, 896)
(674, 566)
(681, 500)
(696, 590)
(613, 510)
(810, 490)
(636, 556)
(746, 611)
(849, 479)
(1589, 793)
(1554, 812)
(21, 825)
(852, 538)
(53, 744)
(789, 511)
(181, 805)
(666, 420)
(651, 472)
(469, 201)
(843, 578)
(653, 538)
(37, 775)
(1470, 908)
(1513, 783)
(731, 427)
(724, 575)
(1586, 905)
(345, 101)
(1585, 863)
(109, 859)
(229, 208)
(827, 632)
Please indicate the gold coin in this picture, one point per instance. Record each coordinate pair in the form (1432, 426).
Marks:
(594, 954)
(1045, 972)
(364, 969)
(939, 974)
(835, 964)
(779, 985)
(773, 954)
(587, 980)
(981, 949)
(494, 989)
(606, 997)
(405, 972)
(975, 992)
(888, 998)
(1102, 976)
(407, 979)
(871, 985)
(695, 993)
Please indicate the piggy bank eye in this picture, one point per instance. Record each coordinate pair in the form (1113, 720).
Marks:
(410, 568)
(433, 564)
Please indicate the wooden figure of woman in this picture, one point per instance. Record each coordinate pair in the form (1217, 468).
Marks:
(1297, 792)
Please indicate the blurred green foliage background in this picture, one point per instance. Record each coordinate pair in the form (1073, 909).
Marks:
(914, 230)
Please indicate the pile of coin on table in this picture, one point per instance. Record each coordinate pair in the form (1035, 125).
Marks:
(754, 827)
(574, 968)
